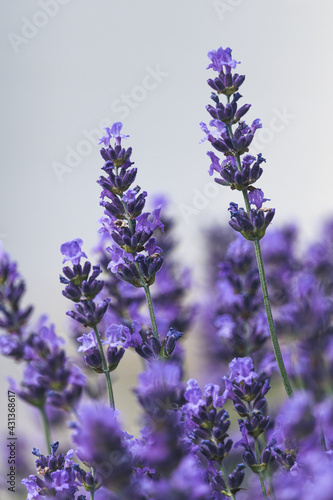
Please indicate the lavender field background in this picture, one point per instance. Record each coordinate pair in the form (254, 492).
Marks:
(71, 67)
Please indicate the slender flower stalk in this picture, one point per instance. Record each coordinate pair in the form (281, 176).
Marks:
(92, 492)
(261, 269)
(240, 175)
(46, 427)
(151, 310)
(261, 475)
(275, 342)
(225, 477)
(82, 289)
(135, 256)
(270, 482)
(105, 369)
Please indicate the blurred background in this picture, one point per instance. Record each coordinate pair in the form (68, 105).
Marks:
(72, 67)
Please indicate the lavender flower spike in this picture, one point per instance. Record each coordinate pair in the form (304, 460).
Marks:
(239, 174)
(135, 257)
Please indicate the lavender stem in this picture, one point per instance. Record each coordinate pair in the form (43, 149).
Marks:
(261, 476)
(105, 369)
(46, 426)
(275, 342)
(225, 477)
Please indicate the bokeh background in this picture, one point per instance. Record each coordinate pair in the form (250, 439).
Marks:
(71, 67)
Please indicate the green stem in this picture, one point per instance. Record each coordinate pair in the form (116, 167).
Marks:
(275, 342)
(92, 492)
(145, 286)
(46, 426)
(270, 482)
(322, 440)
(151, 311)
(261, 476)
(105, 368)
(225, 477)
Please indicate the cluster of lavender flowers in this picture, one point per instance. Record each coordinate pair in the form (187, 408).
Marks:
(212, 443)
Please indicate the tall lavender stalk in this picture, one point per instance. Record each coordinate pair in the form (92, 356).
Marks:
(135, 255)
(82, 289)
(240, 172)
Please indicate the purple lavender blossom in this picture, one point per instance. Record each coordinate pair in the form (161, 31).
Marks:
(234, 316)
(207, 420)
(296, 422)
(311, 477)
(221, 59)
(252, 226)
(226, 83)
(57, 477)
(13, 317)
(171, 285)
(186, 482)
(129, 227)
(249, 173)
(246, 390)
(113, 132)
(160, 387)
(236, 145)
(82, 288)
(120, 335)
(100, 443)
(72, 251)
(49, 377)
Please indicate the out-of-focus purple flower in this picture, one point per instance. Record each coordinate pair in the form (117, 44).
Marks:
(49, 377)
(12, 316)
(164, 436)
(159, 387)
(100, 443)
(207, 421)
(311, 477)
(246, 390)
(11, 345)
(186, 482)
(296, 421)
